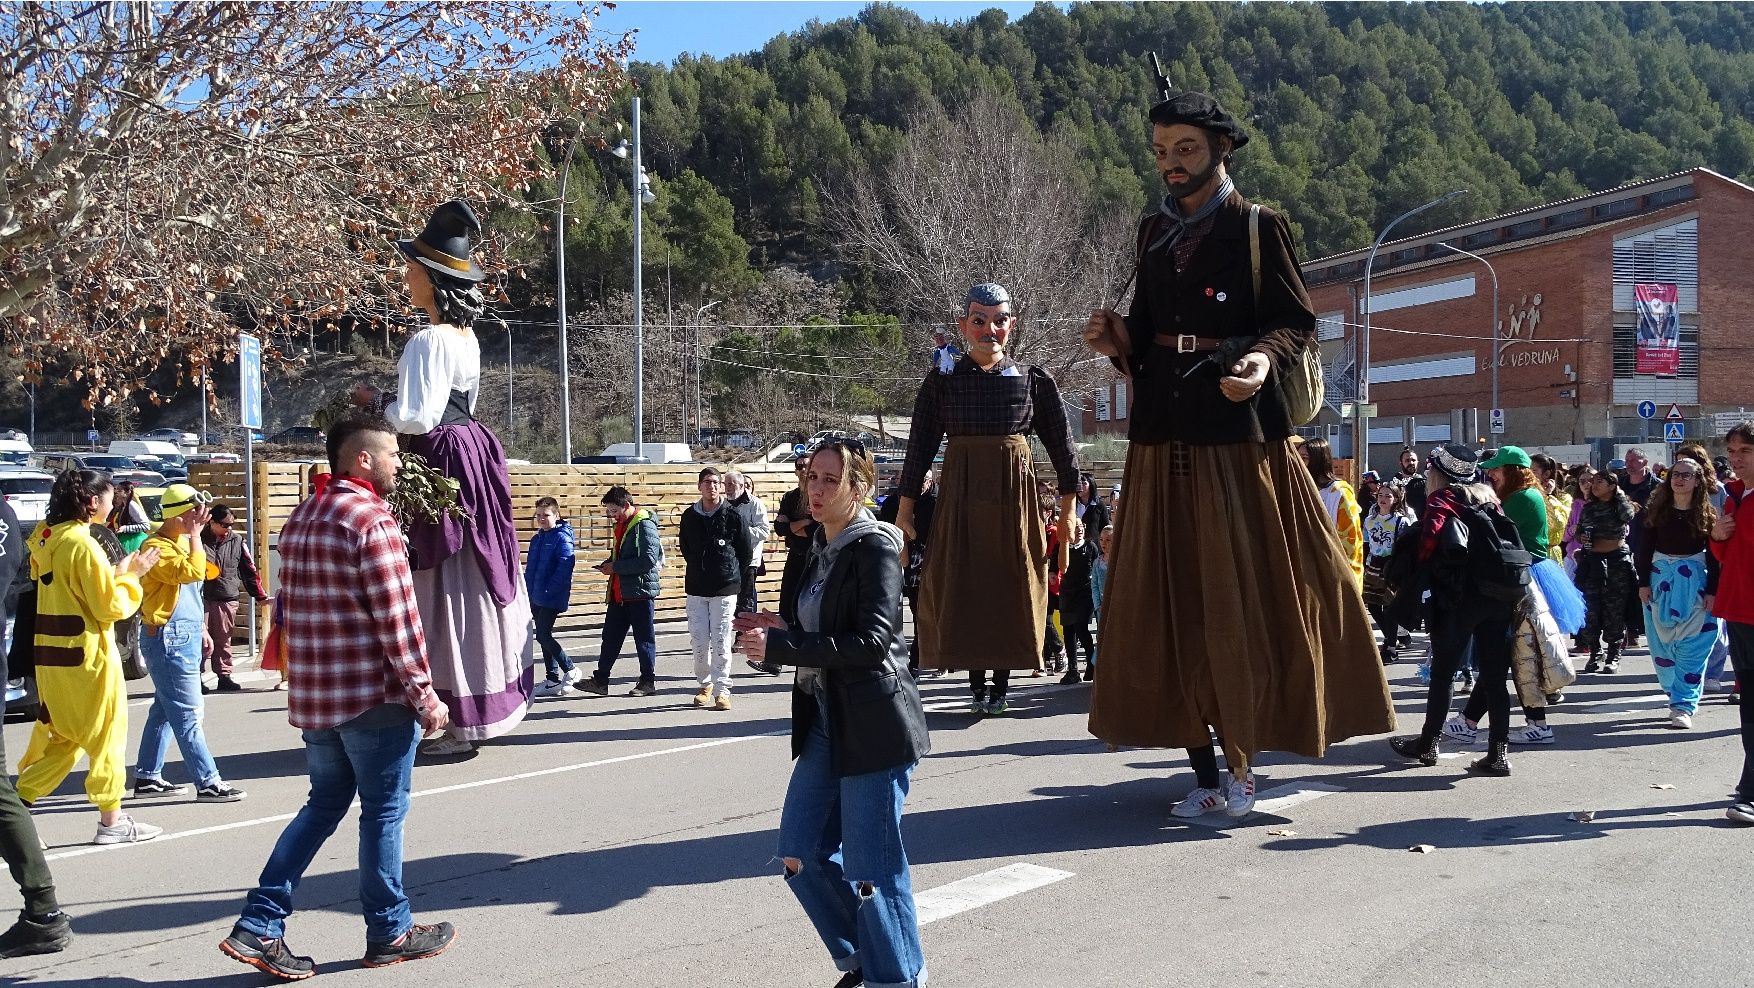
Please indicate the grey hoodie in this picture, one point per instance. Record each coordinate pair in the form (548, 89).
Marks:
(822, 556)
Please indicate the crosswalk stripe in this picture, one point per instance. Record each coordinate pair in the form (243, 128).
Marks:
(1650, 702)
(983, 889)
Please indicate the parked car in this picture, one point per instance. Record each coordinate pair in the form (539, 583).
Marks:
(28, 493)
(102, 462)
(200, 458)
(176, 436)
(15, 451)
(303, 435)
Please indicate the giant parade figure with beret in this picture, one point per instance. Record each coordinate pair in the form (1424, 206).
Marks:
(467, 581)
(1230, 607)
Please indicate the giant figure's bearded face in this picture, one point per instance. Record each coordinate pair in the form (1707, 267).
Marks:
(1188, 157)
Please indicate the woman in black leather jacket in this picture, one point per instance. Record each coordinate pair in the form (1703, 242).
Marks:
(857, 730)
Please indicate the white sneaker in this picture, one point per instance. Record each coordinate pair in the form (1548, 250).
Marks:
(1458, 729)
(1239, 800)
(126, 830)
(1533, 734)
(1741, 811)
(548, 689)
(1198, 803)
(574, 674)
(1680, 720)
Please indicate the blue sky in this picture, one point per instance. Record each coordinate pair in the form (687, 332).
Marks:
(733, 27)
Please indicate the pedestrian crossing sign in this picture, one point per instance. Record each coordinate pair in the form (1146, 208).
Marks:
(1674, 432)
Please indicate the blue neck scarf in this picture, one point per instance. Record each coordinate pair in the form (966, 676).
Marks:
(1177, 225)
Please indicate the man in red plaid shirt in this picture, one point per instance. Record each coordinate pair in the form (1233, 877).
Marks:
(361, 691)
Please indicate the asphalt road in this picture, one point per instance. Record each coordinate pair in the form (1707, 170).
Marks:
(629, 842)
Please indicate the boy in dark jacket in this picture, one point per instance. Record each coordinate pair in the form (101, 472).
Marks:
(632, 568)
(715, 547)
(1077, 604)
(233, 573)
(548, 579)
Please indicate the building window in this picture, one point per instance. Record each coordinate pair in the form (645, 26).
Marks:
(1528, 228)
(1330, 326)
(1120, 408)
(1483, 237)
(1669, 255)
(1619, 207)
(1575, 217)
(1102, 409)
(1680, 193)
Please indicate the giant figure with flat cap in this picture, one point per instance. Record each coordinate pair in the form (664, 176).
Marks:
(1230, 606)
(467, 581)
(984, 587)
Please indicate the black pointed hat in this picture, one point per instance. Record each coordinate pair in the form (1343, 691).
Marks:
(447, 243)
(1199, 110)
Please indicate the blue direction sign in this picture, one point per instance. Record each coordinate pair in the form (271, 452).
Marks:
(250, 382)
(799, 449)
(1674, 432)
(1647, 409)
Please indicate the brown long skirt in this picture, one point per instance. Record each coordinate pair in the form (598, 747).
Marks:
(984, 590)
(1230, 603)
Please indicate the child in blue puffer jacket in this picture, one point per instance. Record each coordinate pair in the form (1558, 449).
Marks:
(548, 578)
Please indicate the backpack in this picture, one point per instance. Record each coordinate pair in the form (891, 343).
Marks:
(1498, 565)
(1302, 389)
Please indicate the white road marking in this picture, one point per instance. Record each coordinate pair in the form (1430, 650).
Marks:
(984, 889)
(1653, 702)
(1274, 801)
(282, 817)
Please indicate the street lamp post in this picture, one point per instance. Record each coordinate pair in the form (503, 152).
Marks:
(560, 306)
(1494, 273)
(1361, 421)
(642, 194)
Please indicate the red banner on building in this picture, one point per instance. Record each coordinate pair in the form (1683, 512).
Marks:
(1659, 329)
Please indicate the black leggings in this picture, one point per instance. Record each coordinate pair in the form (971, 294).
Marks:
(1607, 580)
(977, 683)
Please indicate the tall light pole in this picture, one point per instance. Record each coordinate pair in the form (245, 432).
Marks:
(1494, 274)
(1361, 421)
(560, 305)
(642, 194)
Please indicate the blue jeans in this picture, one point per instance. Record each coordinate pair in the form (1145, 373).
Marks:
(553, 656)
(173, 660)
(373, 755)
(618, 619)
(847, 833)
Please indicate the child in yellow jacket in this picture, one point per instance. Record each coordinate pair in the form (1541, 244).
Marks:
(84, 700)
(173, 621)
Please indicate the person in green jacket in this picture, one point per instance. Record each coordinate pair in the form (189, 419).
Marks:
(635, 560)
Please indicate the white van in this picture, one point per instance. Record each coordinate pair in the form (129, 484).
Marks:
(15, 451)
(655, 452)
(165, 452)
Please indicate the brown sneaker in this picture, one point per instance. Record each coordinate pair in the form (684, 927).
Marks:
(704, 697)
(723, 702)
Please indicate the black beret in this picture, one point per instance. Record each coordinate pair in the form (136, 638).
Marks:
(1198, 110)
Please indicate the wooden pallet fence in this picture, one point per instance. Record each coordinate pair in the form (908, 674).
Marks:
(666, 489)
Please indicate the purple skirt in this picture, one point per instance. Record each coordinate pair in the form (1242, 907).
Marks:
(469, 453)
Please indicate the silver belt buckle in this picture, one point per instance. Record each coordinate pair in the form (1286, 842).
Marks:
(1184, 343)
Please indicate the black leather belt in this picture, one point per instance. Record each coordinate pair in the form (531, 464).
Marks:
(1188, 343)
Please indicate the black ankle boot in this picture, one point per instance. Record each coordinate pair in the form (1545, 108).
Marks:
(1496, 761)
(1418, 747)
(1595, 663)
